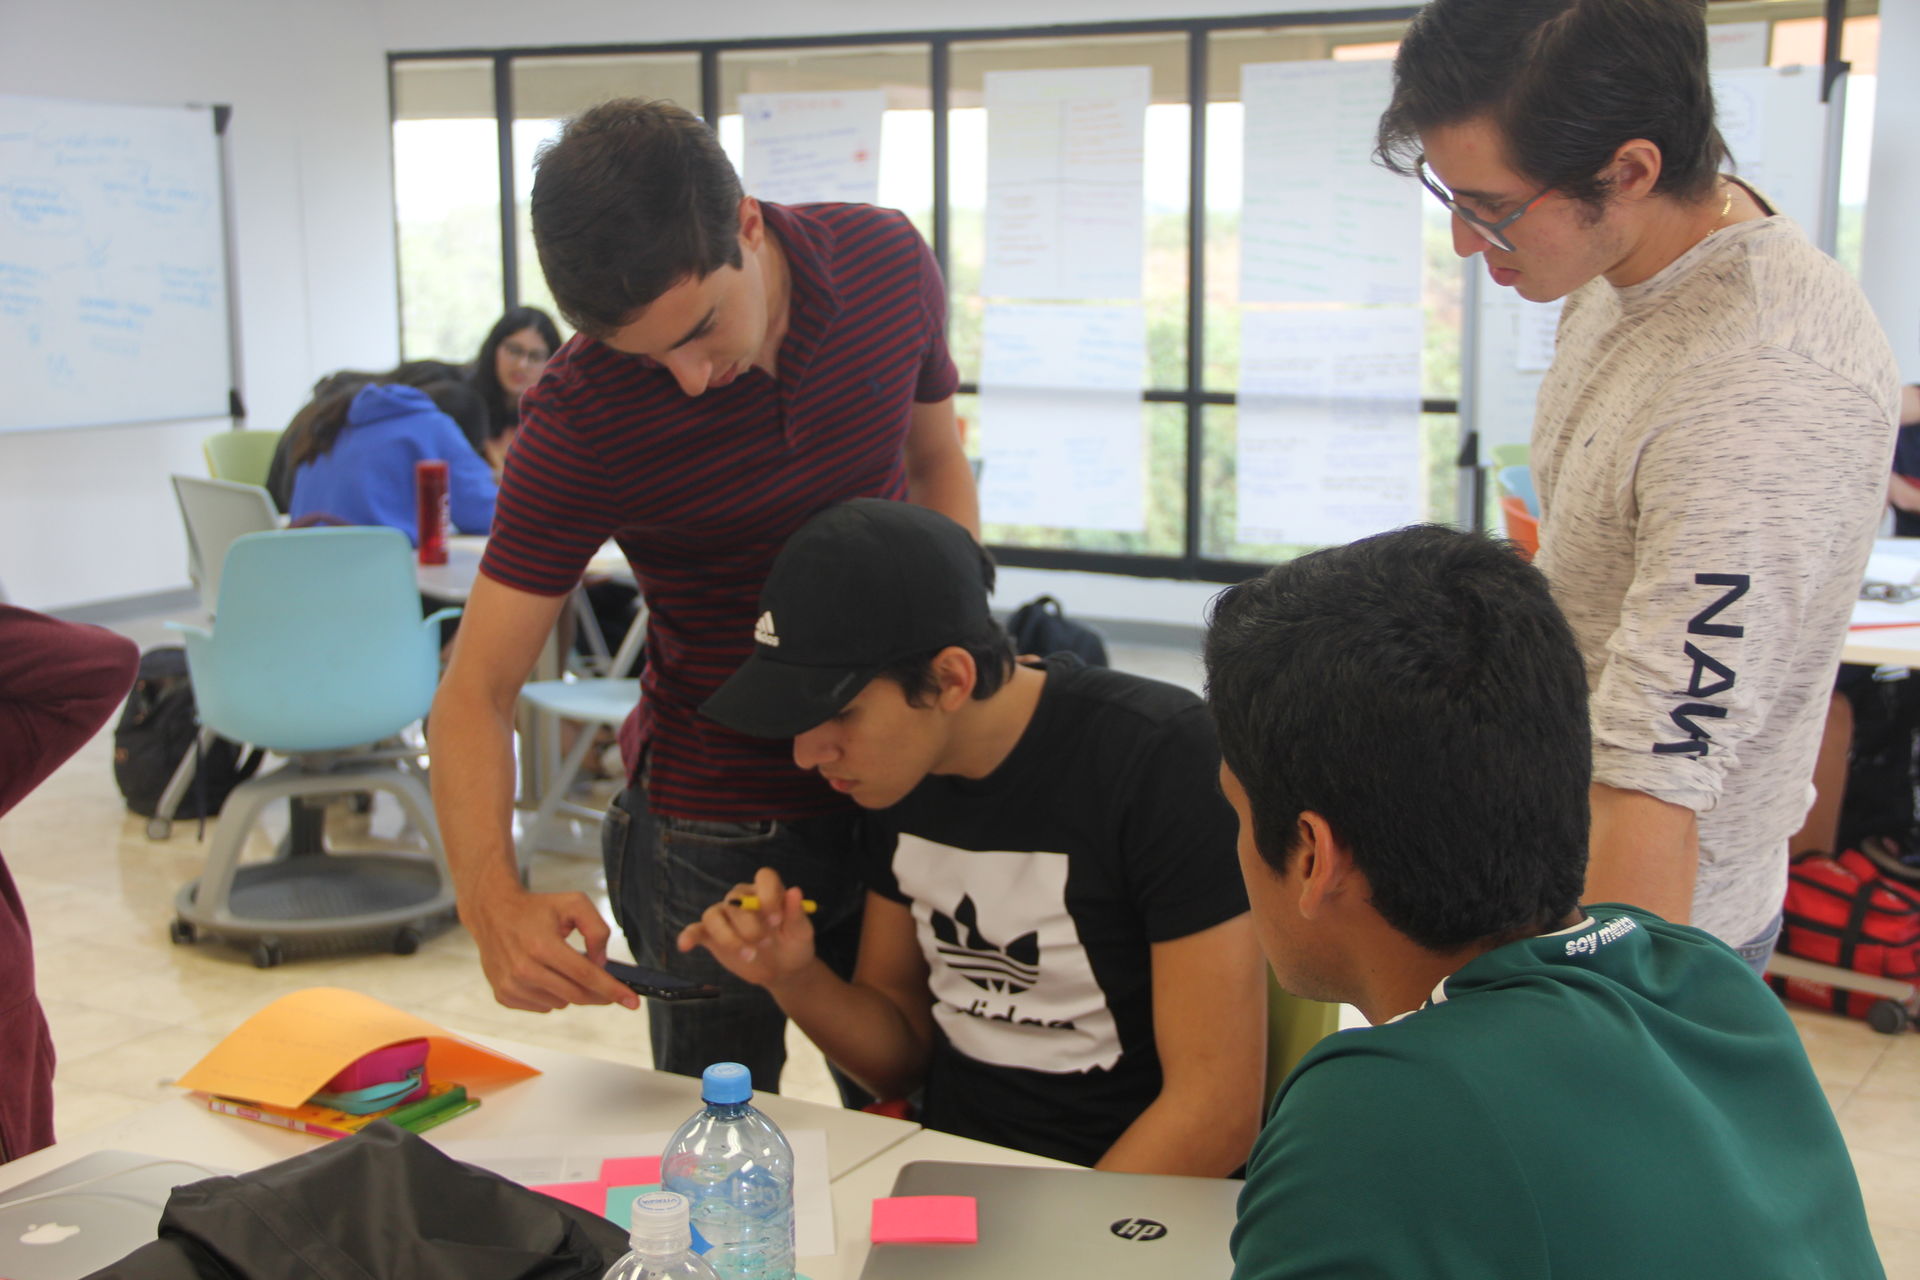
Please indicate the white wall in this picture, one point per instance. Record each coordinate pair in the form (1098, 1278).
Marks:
(87, 515)
(1889, 250)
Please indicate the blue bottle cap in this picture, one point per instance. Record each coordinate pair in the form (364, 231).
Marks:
(726, 1082)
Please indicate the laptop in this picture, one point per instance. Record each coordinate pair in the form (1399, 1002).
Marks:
(1068, 1222)
(88, 1214)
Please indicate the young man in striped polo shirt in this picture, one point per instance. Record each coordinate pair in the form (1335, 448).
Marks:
(738, 367)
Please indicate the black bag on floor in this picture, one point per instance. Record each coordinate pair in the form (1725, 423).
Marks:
(383, 1203)
(1883, 760)
(157, 730)
(1041, 627)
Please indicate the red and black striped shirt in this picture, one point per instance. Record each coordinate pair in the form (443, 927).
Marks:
(701, 492)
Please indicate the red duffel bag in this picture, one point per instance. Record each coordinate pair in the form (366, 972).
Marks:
(1848, 910)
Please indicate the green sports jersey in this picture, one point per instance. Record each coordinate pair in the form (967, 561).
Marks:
(1619, 1099)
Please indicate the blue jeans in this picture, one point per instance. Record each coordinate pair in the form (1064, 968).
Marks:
(1757, 952)
(662, 873)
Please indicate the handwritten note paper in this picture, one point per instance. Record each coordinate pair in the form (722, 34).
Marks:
(1065, 182)
(1061, 419)
(1329, 425)
(1320, 221)
(802, 147)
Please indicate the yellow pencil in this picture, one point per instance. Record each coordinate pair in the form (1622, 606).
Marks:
(751, 902)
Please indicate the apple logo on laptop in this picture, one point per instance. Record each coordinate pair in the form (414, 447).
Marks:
(47, 1233)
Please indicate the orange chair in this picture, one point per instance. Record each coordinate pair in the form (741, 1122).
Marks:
(1522, 528)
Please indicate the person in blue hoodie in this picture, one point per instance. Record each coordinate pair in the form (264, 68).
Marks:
(354, 455)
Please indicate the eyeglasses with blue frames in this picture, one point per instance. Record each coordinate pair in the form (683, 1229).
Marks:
(1494, 233)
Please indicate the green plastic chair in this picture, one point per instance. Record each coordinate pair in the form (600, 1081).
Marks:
(1293, 1027)
(243, 457)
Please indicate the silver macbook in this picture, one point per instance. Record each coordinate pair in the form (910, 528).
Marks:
(1068, 1222)
(85, 1215)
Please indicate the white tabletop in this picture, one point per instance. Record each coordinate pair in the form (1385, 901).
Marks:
(573, 1097)
(1884, 635)
(453, 581)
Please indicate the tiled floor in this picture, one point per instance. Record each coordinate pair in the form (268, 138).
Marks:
(130, 1011)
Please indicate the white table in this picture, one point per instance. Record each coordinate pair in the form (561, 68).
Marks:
(574, 1097)
(1872, 643)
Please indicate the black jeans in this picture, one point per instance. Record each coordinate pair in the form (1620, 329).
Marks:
(662, 873)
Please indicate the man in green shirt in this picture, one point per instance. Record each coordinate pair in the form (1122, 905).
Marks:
(1546, 1090)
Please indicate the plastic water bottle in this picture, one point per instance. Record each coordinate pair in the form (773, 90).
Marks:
(662, 1242)
(736, 1170)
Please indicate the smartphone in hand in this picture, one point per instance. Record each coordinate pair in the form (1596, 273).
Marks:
(656, 984)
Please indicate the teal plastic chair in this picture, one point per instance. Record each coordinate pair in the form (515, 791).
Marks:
(318, 653)
(1518, 482)
(243, 457)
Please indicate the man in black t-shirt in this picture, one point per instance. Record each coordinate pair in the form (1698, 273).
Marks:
(1056, 951)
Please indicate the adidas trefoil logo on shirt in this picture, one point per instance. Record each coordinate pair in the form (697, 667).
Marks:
(763, 632)
(1011, 969)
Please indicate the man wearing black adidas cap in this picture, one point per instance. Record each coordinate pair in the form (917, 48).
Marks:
(1056, 952)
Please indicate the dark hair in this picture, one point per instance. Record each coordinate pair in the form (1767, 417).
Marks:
(631, 199)
(1566, 82)
(1421, 692)
(316, 428)
(991, 651)
(486, 367)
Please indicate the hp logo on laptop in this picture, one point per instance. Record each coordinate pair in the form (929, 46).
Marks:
(1141, 1229)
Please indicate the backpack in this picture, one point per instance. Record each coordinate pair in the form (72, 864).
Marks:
(1883, 759)
(1854, 911)
(156, 731)
(1041, 627)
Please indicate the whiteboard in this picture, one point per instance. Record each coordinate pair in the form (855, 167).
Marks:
(113, 274)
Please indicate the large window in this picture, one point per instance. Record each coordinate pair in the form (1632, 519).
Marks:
(467, 129)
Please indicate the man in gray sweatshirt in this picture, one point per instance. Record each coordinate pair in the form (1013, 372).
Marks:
(1710, 446)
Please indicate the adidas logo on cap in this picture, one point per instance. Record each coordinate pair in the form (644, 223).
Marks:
(763, 632)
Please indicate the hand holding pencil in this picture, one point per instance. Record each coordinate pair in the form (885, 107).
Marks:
(759, 932)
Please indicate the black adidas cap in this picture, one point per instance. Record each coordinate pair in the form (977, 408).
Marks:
(861, 585)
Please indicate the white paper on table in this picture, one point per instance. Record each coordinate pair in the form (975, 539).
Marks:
(1066, 188)
(537, 1160)
(801, 147)
(1884, 613)
(1329, 425)
(1062, 429)
(1320, 221)
(1893, 567)
(1536, 329)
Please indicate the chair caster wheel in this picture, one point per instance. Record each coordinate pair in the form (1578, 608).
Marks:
(1888, 1017)
(159, 828)
(406, 941)
(180, 932)
(267, 954)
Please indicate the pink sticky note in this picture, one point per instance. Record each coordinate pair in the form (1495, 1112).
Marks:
(591, 1196)
(926, 1220)
(630, 1171)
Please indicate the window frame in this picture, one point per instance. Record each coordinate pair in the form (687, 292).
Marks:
(1190, 564)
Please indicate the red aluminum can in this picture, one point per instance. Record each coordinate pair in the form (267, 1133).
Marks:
(430, 492)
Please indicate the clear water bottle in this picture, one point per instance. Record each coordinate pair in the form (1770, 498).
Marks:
(662, 1242)
(736, 1170)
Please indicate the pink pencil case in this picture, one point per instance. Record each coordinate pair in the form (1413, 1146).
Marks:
(382, 1066)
